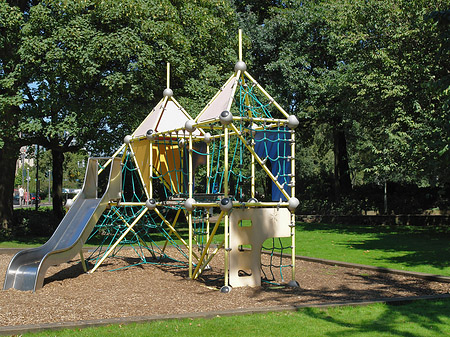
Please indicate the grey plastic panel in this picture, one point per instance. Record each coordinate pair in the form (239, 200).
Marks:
(27, 269)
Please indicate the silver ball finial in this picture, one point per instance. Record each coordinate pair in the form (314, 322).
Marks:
(168, 92)
(189, 126)
(127, 139)
(207, 138)
(226, 204)
(226, 117)
(150, 134)
(240, 65)
(189, 204)
(293, 204)
(292, 122)
(151, 204)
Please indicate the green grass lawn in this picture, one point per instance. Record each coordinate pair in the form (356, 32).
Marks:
(422, 318)
(403, 248)
(24, 242)
(399, 248)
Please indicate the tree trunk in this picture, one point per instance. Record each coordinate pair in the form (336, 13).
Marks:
(342, 181)
(8, 157)
(57, 197)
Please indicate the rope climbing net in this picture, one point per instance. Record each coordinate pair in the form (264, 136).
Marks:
(180, 185)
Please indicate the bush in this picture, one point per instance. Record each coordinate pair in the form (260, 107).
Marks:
(317, 198)
(27, 222)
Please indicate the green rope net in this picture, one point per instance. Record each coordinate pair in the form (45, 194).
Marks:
(151, 234)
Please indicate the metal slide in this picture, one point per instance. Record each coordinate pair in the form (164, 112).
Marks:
(27, 269)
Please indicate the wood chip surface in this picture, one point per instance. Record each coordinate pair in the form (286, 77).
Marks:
(71, 295)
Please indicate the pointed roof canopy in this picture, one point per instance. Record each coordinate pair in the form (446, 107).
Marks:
(220, 102)
(167, 115)
(225, 97)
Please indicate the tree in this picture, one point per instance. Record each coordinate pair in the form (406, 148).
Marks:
(305, 73)
(393, 48)
(439, 87)
(11, 77)
(362, 69)
(95, 69)
(260, 8)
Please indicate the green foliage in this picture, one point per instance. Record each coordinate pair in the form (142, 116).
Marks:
(99, 67)
(83, 74)
(376, 71)
(74, 170)
(368, 79)
(11, 21)
(29, 224)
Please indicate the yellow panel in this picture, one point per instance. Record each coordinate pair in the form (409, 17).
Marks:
(166, 159)
(142, 155)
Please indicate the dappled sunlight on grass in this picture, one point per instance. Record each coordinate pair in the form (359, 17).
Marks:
(423, 318)
(398, 248)
(386, 320)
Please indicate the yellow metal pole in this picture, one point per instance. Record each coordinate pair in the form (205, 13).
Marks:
(150, 178)
(182, 110)
(113, 156)
(216, 226)
(83, 262)
(253, 169)
(124, 154)
(210, 257)
(225, 191)
(293, 195)
(128, 225)
(208, 189)
(124, 203)
(265, 93)
(247, 204)
(190, 212)
(225, 180)
(139, 171)
(253, 180)
(173, 182)
(240, 44)
(174, 231)
(168, 75)
(171, 231)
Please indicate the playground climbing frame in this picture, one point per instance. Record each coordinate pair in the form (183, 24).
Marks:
(202, 174)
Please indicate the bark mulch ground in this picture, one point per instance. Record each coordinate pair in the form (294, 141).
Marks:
(70, 295)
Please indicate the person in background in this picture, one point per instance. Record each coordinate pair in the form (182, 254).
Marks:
(21, 195)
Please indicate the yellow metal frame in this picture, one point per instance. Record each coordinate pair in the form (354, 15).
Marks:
(225, 132)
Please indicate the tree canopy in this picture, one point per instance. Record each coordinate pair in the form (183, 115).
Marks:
(369, 80)
(372, 76)
(82, 74)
